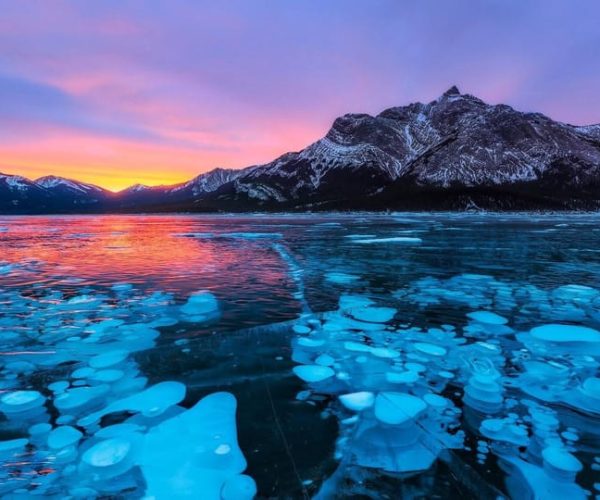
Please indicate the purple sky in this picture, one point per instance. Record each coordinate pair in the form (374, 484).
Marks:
(157, 91)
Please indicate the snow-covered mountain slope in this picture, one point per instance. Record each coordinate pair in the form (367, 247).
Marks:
(136, 188)
(49, 193)
(180, 196)
(454, 142)
(207, 182)
(76, 188)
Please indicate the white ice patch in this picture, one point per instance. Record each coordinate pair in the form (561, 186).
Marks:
(393, 239)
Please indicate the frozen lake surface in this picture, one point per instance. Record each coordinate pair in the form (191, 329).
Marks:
(388, 356)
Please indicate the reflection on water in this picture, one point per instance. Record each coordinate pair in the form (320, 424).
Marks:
(395, 355)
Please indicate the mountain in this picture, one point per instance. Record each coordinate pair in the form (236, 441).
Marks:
(456, 152)
(180, 196)
(50, 194)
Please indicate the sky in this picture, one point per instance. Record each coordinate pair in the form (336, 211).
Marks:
(117, 92)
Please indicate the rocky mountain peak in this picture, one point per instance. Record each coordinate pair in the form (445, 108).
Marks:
(452, 91)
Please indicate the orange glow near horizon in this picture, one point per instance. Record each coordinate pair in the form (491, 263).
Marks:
(115, 163)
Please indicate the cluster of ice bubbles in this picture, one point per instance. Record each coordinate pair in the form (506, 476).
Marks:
(84, 421)
(525, 390)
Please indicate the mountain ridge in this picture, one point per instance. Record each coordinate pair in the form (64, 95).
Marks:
(455, 152)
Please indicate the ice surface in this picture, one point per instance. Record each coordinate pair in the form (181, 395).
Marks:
(394, 239)
(565, 333)
(150, 402)
(488, 378)
(373, 314)
(408, 378)
(358, 401)
(201, 304)
(341, 278)
(184, 454)
(487, 317)
(63, 436)
(95, 335)
(20, 401)
(398, 408)
(313, 373)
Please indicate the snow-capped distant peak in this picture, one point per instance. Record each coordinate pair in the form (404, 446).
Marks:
(210, 181)
(52, 181)
(15, 181)
(136, 188)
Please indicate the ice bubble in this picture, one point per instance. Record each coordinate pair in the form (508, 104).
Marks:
(504, 430)
(75, 399)
(340, 278)
(578, 293)
(109, 375)
(83, 372)
(535, 482)
(118, 430)
(404, 377)
(301, 329)
(397, 408)
(107, 453)
(487, 317)
(483, 393)
(108, 359)
(12, 445)
(308, 342)
(436, 401)
(63, 436)
(325, 360)
(241, 487)
(358, 401)
(591, 387)
(202, 303)
(150, 402)
(356, 347)
(394, 239)
(373, 314)
(40, 428)
(433, 350)
(313, 373)
(222, 449)
(560, 463)
(384, 352)
(18, 401)
(565, 333)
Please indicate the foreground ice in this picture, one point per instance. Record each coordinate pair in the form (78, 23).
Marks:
(526, 389)
(89, 425)
(196, 454)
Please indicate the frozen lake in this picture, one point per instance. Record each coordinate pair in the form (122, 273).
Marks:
(398, 356)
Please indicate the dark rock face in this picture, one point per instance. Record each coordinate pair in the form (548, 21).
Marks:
(453, 153)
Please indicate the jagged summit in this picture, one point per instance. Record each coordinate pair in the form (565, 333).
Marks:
(452, 91)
